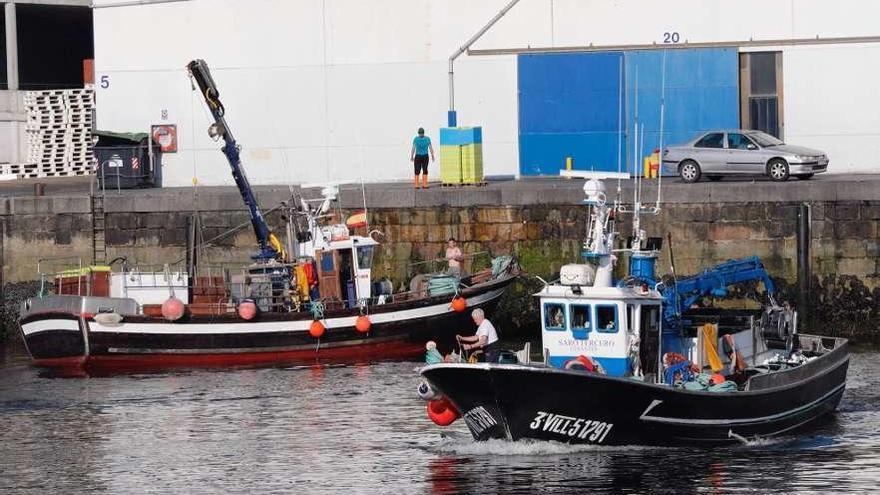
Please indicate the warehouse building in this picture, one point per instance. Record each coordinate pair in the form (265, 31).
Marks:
(333, 90)
(42, 47)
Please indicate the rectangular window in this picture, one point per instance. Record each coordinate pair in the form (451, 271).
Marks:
(365, 257)
(712, 140)
(327, 262)
(762, 73)
(737, 141)
(764, 114)
(554, 316)
(606, 318)
(580, 320)
(761, 92)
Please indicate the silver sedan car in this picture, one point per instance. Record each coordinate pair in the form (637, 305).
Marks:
(716, 154)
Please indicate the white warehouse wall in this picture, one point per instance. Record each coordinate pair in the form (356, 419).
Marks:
(319, 90)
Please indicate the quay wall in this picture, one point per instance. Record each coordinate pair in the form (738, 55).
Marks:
(543, 227)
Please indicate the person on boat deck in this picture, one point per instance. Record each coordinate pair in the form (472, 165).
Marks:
(454, 257)
(737, 363)
(485, 338)
(419, 156)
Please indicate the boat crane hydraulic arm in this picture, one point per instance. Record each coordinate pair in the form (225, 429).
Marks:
(270, 246)
(714, 281)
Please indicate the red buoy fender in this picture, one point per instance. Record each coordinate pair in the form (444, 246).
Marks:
(247, 310)
(316, 329)
(459, 304)
(173, 309)
(363, 324)
(442, 412)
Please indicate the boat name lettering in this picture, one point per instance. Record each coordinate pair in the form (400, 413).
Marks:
(587, 343)
(570, 426)
(479, 420)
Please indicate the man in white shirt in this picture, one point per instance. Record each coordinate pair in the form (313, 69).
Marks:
(486, 337)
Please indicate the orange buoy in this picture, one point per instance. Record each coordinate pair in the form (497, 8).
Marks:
(316, 330)
(442, 412)
(173, 309)
(459, 304)
(363, 324)
(247, 310)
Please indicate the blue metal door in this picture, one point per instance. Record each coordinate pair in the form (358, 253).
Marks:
(569, 106)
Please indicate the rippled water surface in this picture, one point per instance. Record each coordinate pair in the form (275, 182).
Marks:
(362, 429)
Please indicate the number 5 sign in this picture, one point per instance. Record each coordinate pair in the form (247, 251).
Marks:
(166, 136)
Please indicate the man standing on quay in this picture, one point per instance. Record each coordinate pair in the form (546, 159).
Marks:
(419, 156)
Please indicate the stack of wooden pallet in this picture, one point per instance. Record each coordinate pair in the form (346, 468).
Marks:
(59, 134)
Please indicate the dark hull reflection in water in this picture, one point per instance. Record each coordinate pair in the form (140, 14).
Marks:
(361, 429)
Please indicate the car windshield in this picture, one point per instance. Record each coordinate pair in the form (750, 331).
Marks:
(764, 139)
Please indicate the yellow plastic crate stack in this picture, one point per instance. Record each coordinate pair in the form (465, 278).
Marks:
(461, 155)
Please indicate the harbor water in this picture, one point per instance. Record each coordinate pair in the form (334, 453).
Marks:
(362, 429)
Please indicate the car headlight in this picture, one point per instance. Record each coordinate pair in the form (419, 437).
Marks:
(807, 158)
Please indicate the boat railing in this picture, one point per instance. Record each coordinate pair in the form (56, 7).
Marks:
(59, 266)
(217, 288)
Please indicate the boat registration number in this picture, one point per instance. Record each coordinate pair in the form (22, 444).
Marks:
(479, 420)
(569, 426)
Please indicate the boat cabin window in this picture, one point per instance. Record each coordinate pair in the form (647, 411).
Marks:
(580, 320)
(554, 316)
(606, 318)
(365, 257)
(327, 264)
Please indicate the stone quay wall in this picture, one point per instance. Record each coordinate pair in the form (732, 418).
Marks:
(544, 228)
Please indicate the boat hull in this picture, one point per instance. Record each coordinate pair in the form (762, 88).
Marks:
(68, 339)
(518, 402)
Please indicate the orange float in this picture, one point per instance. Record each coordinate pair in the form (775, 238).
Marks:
(442, 412)
(363, 324)
(173, 309)
(459, 304)
(316, 329)
(247, 310)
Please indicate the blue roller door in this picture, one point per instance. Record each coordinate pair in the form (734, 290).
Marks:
(568, 106)
(701, 91)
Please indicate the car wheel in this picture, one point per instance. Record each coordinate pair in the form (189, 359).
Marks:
(715, 178)
(777, 169)
(689, 171)
(804, 176)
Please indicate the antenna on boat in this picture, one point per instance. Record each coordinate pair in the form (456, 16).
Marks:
(662, 121)
(620, 129)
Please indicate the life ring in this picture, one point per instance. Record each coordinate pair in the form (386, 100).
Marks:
(581, 363)
(442, 412)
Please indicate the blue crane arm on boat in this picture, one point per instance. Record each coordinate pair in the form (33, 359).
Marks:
(271, 247)
(713, 281)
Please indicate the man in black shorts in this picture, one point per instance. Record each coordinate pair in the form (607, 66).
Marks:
(419, 156)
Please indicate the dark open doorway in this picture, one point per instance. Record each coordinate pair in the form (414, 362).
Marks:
(53, 41)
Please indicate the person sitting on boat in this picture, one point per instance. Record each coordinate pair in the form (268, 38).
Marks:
(454, 257)
(486, 337)
(432, 355)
